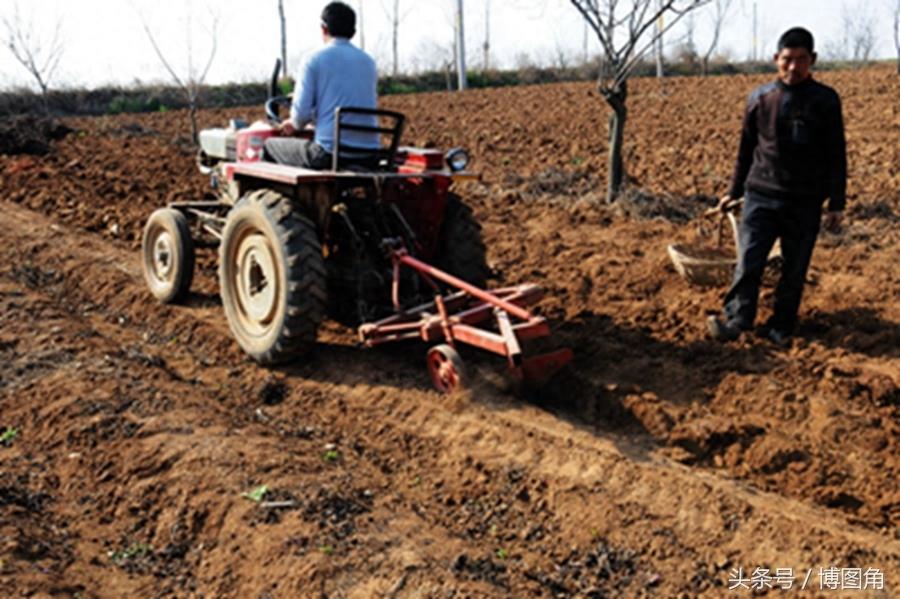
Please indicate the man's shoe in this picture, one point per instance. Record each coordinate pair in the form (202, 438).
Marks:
(722, 331)
(780, 338)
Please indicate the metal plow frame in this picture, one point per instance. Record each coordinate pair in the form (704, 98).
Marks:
(465, 316)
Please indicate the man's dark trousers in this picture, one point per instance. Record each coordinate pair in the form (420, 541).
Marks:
(765, 219)
(297, 152)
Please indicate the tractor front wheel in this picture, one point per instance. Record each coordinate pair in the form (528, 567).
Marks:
(271, 277)
(168, 255)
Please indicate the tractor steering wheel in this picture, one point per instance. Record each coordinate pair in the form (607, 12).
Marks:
(273, 104)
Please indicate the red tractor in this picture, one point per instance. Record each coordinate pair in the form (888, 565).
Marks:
(355, 242)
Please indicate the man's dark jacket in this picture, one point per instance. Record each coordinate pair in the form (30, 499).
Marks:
(792, 144)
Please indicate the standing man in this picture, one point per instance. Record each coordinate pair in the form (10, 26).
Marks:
(791, 157)
(340, 74)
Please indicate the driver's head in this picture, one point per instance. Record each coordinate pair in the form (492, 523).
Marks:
(338, 20)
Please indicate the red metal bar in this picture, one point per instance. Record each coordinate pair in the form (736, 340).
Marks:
(539, 369)
(526, 294)
(480, 338)
(481, 294)
(429, 325)
(381, 340)
(532, 330)
(513, 351)
(395, 286)
(445, 321)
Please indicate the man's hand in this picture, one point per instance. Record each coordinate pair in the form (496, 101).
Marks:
(833, 221)
(287, 128)
(724, 201)
(727, 203)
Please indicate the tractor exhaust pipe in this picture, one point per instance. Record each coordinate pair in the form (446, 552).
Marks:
(273, 85)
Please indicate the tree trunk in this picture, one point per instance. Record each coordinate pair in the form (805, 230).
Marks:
(396, 26)
(617, 118)
(487, 36)
(462, 82)
(192, 113)
(284, 67)
(362, 30)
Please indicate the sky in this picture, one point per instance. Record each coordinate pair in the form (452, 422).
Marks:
(105, 42)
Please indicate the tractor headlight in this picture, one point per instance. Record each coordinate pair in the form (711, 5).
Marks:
(457, 159)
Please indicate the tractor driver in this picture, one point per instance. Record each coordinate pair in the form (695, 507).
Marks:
(340, 74)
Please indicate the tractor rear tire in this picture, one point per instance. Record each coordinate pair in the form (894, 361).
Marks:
(168, 255)
(461, 250)
(272, 278)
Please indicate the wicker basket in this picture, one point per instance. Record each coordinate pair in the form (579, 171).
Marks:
(713, 265)
(703, 265)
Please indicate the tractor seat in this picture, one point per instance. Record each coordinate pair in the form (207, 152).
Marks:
(348, 157)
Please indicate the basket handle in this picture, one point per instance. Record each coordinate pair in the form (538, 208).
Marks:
(729, 207)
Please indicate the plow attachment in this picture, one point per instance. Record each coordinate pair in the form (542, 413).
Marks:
(496, 321)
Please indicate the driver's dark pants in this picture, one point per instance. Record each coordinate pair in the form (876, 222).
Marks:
(296, 152)
(765, 219)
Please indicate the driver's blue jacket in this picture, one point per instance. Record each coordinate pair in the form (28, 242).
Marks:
(340, 74)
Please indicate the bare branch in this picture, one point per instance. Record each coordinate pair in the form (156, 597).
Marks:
(637, 56)
(191, 84)
(718, 20)
(27, 48)
(212, 51)
(897, 32)
(607, 17)
(162, 57)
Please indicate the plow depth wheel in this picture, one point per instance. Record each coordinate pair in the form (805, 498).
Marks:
(168, 255)
(446, 369)
(271, 278)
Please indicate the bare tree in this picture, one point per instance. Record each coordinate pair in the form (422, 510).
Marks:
(392, 11)
(718, 18)
(660, 26)
(897, 32)
(687, 50)
(623, 31)
(40, 57)
(281, 20)
(486, 46)
(362, 29)
(755, 34)
(690, 26)
(862, 34)
(858, 39)
(192, 82)
(462, 80)
(560, 56)
(584, 45)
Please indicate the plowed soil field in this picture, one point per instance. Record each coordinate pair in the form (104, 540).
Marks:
(659, 464)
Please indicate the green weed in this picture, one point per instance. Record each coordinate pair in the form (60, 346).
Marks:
(256, 494)
(8, 435)
(134, 551)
